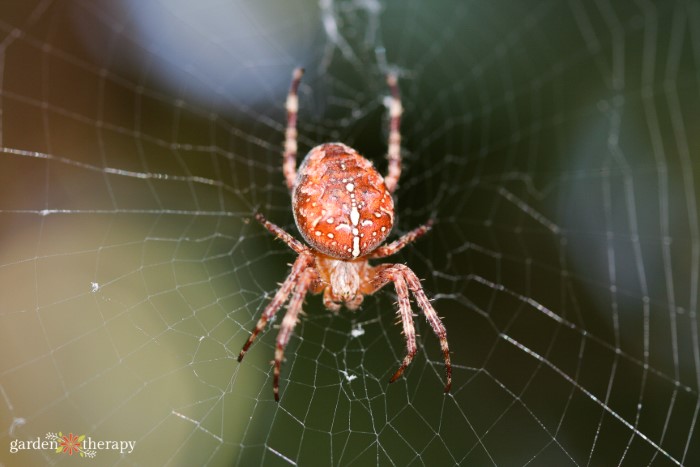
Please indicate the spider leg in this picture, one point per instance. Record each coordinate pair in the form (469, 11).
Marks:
(396, 246)
(301, 263)
(401, 276)
(287, 327)
(289, 158)
(394, 150)
(432, 317)
(409, 330)
(278, 232)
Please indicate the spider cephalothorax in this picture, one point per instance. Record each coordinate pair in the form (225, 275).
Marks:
(344, 210)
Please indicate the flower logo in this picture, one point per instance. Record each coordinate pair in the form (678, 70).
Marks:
(70, 444)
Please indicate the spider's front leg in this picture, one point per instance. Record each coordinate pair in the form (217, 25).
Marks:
(405, 279)
(289, 158)
(394, 149)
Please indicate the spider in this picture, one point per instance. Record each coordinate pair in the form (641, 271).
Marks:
(344, 210)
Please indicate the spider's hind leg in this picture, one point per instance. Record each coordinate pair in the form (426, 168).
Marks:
(404, 279)
(287, 326)
(299, 266)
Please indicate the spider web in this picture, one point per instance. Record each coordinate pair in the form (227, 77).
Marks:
(554, 142)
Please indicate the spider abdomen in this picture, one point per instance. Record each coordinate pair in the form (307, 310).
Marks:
(341, 204)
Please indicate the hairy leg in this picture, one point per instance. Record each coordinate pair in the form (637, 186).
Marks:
(432, 317)
(289, 159)
(402, 276)
(287, 327)
(396, 246)
(299, 266)
(394, 150)
(409, 330)
(278, 232)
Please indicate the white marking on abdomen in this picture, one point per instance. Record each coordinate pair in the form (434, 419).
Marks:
(354, 215)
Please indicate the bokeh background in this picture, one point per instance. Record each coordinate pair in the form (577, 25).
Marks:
(554, 142)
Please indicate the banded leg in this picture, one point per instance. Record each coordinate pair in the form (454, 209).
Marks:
(289, 159)
(299, 266)
(394, 150)
(401, 276)
(287, 327)
(398, 244)
(409, 330)
(280, 233)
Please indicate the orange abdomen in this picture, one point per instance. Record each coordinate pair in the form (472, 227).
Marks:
(341, 205)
